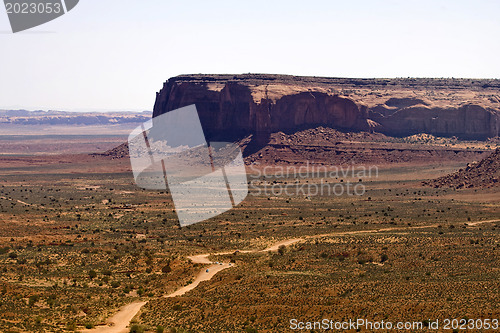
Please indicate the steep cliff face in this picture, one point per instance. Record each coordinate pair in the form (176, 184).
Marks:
(469, 121)
(231, 106)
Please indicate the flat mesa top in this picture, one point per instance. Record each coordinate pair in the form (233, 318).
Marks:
(258, 79)
(371, 92)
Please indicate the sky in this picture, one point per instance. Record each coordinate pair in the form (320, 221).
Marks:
(109, 55)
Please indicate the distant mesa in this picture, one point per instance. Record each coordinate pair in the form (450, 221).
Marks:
(65, 118)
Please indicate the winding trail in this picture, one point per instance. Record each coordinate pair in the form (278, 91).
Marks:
(205, 275)
(120, 321)
(481, 222)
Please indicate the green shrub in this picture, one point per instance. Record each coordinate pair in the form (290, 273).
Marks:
(33, 299)
(92, 274)
(136, 329)
(71, 326)
(166, 269)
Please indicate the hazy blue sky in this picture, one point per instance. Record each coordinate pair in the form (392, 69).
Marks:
(115, 54)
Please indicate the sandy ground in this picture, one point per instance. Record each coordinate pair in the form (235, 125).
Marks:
(119, 322)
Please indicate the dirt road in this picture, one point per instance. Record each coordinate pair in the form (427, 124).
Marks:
(481, 222)
(119, 322)
(205, 275)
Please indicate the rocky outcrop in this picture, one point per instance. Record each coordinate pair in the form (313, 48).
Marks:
(485, 173)
(232, 106)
